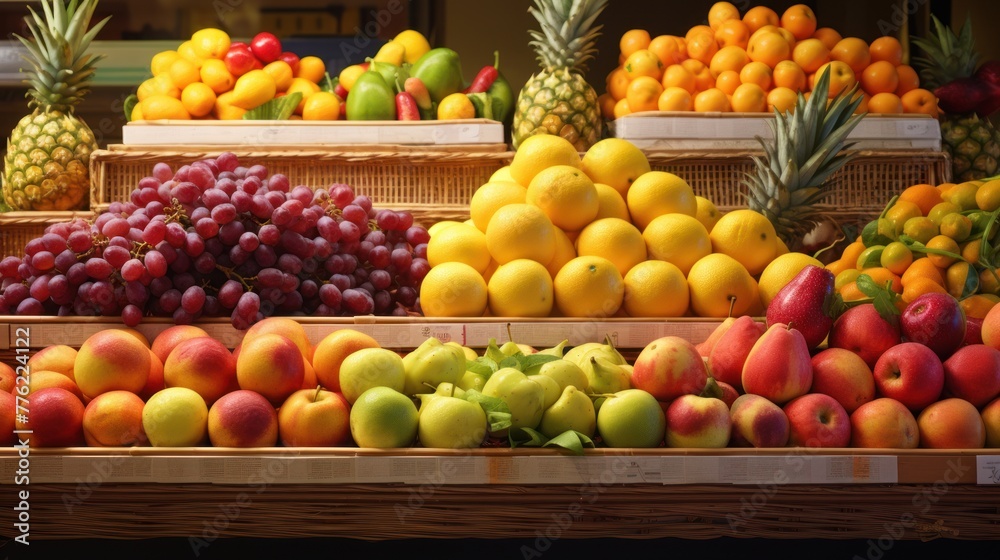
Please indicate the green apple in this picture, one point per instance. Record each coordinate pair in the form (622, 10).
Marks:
(383, 418)
(370, 367)
(631, 418)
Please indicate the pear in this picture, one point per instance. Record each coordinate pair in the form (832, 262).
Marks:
(470, 354)
(524, 397)
(705, 347)
(565, 373)
(730, 353)
(451, 423)
(510, 348)
(779, 366)
(558, 350)
(604, 376)
(551, 386)
(803, 303)
(443, 390)
(582, 353)
(431, 364)
(573, 411)
(472, 380)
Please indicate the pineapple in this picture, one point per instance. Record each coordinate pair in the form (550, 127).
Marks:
(805, 152)
(972, 142)
(48, 152)
(558, 100)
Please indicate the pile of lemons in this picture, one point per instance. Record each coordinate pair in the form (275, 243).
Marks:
(600, 235)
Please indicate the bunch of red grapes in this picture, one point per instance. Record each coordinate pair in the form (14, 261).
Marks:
(215, 238)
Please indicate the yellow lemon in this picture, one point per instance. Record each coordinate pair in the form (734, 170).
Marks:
(414, 43)
(566, 195)
(494, 265)
(136, 114)
(253, 89)
(520, 288)
(656, 193)
(614, 239)
(439, 226)
(565, 252)
(210, 43)
(312, 68)
(520, 231)
(157, 85)
(988, 195)
(392, 52)
(307, 89)
(616, 163)
(541, 151)
(678, 239)
(186, 50)
(610, 203)
(321, 106)
(161, 61)
(589, 287)
(198, 99)
(707, 212)
(456, 106)
(491, 196)
(748, 237)
(655, 289)
(224, 110)
(157, 107)
(216, 76)
(459, 243)
(281, 72)
(502, 174)
(453, 289)
(719, 286)
(782, 247)
(183, 72)
(780, 271)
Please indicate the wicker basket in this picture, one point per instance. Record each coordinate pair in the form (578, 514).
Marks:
(17, 228)
(432, 185)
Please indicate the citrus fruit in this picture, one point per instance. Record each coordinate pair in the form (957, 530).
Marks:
(541, 151)
(565, 252)
(307, 89)
(520, 231)
(312, 68)
(321, 106)
(943, 243)
(922, 268)
(940, 210)
(588, 287)
(920, 228)
(158, 107)
(897, 257)
(383, 418)
(961, 279)
(224, 110)
(748, 237)
(157, 85)
(678, 239)
(567, 196)
(963, 195)
(198, 99)
(780, 272)
(520, 288)
(414, 43)
(491, 196)
(720, 286)
(615, 162)
(453, 289)
(707, 213)
(161, 61)
(281, 72)
(331, 351)
(656, 193)
(655, 289)
(988, 195)
(502, 174)
(610, 204)
(614, 239)
(977, 305)
(440, 226)
(460, 243)
(456, 106)
(253, 89)
(183, 72)
(956, 226)
(210, 43)
(216, 76)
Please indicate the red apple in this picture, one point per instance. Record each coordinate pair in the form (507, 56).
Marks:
(884, 423)
(951, 424)
(935, 320)
(314, 418)
(239, 60)
(973, 331)
(292, 59)
(729, 393)
(698, 422)
(817, 420)
(266, 47)
(758, 422)
(911, 373)
(55, 417)
(8, 406)
(863, 331)
(843, 375)
(973, 373)
(669, 367)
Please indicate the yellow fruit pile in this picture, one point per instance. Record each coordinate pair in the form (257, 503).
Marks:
(757, 62)
(193, 82)
(603, 235)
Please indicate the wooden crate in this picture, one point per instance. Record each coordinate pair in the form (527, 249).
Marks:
(17, 228)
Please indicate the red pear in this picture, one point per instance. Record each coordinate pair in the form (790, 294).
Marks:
(803, 304)
(705, 347)
(779, 366)
(730, 352)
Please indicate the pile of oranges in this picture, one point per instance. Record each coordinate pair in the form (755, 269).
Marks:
(758, 62)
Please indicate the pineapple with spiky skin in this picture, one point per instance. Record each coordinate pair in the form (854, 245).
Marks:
(806, 150)
(972, 142)
(558, 100)
(48, 152)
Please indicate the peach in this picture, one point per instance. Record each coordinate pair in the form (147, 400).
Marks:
(695, 421)
(8, 378)
(272, 365)
(331, 351)
(55, 418)
(42, 379)
(114, 419)
(309, 379)
(58, 357)
(8, 411)
(155, 380)
(843, 375)
(991, 419)
(203, 365)
(669, 367)
(136, 334)
(164, 342)
(243, 418)
(110, 360)
(991, 328)
(884, 423)
(314, 418)
(951, 423)
(289, 328)
(758, 422)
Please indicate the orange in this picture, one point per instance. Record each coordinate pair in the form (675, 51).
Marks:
(789, 75)
(862, 107)
(728, 81)
(781, 99)
(945, 243)
(769, 48)
(643, 63)
(977, 305)
(702, 47)
(728, 58)
(882, 276)
(749, 98)
(800, 20)
(157, 85)
(695, 29)
(321, 106)
(156, 107)
(607, 105)
(886, 49)
(920, 286)
(183, 72)
(198, 99)
(216, 76)
(923, 195)
(225, 110)
(643, 93)
(617, 83)
(829, 36)
(732, 32)
(666, 48)
(851, 292)
(908, 79)
(622, 108)
(922, 268)
(312, 68)
(920, 100)
(840, 265)
(721, 12)
(756, 73)
(852, 251)
(161, 61)
(210, 43)
(842, 78)
(810, 54)
(703, 78)
(896, 257)
(759, 16)
(306, 88)
(712, 100)
(633, 40)
(879, 77)
(853, 51)
(675, 98)
(885, 103)
(281, 72)
(676, 75)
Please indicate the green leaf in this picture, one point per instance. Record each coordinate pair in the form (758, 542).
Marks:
(570, 440)
(510, 362)
(481, 365)
(493, 351)
(527, 361)
(328, 84)
(497, 411)
(883, 297)
(129, 105)
(277, 109)
(526, 437)
(918, 247)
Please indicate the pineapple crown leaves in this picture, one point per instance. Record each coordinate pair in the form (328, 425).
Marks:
(568, 34)
(58, 52)
(947, 56)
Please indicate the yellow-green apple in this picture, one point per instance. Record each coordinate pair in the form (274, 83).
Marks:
(330, 352)
(175, 417)
(44, 378)
(314, 418)
(203, 365)
(55, 418)
(565, 373)
(371, 367)
(669, 367)
(430, 364)
(951, 423)
(8, 411)
(110, 360)
(384, 418)
(451, 423)
(843, 375)
(706, 346)
(171, 336)
(803, 302)
(863, 331)
(936, 320)
(631, 418)
(778, 367)
(884, 423)
(286, 327)
(911, 373)
(973, 373)
(758, 422)
(524, 396)
(154, 382)
(698, 422)
(57, 357)
(730, 353)
(8, 378)
(242, 419)
(574, 410)
(991, 420)
(272, 365)
(114, 419)
(817, 420)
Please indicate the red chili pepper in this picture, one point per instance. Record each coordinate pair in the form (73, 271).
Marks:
(485, 78)
(416, 87)
(406, 107)
(341, 92)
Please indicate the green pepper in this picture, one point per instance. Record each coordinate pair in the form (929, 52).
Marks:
(441, 71)
(483, 103)
(503, 96)
(371, 99)
(391, 73)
